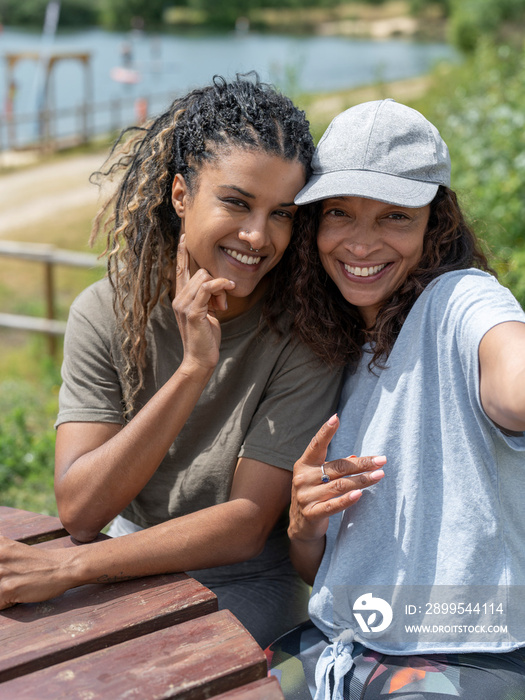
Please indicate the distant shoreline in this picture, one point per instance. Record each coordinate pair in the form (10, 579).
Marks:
(387, 20)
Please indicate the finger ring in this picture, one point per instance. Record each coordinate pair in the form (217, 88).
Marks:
(324, 478)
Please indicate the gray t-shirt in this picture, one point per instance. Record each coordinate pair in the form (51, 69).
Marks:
(447, 523)
(265, 400)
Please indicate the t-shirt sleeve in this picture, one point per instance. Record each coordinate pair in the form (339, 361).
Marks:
(301, 394)
(90, 390)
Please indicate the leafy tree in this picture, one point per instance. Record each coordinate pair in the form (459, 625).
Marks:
(418, 6)
(29, 12)
(33, 12)
(474, 19)
(479, 108)
(124, 14)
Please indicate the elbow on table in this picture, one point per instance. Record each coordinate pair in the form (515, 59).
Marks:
(77, 526)
(80, 518)
(81, 534)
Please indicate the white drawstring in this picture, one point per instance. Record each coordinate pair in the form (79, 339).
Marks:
(336, 656)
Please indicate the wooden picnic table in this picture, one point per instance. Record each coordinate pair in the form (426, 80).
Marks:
(151, 637)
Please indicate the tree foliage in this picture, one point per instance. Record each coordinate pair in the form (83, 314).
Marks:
(471, 20)
(73, 13)
(123, 14)
(479, 108)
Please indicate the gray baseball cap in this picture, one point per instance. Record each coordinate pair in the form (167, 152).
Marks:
(380, 150)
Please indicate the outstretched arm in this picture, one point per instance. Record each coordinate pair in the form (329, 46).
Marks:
(101, 467)
(502, 375)
(313, 501)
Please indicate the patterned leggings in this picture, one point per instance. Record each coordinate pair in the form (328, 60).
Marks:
(376, 676)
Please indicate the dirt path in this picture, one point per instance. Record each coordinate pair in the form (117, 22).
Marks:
(43, 191)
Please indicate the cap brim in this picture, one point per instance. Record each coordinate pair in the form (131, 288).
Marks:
(390, 189)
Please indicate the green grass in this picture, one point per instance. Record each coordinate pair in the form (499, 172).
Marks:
(29, 377)
(29, 383)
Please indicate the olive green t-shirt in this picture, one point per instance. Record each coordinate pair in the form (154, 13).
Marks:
(265, 400)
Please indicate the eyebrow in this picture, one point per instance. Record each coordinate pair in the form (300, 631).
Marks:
(238, 189)
(252, 196)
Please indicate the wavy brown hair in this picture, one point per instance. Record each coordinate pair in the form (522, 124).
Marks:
(139, 221)
(333, 328)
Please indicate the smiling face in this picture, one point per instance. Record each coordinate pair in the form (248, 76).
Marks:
(242, 200)
(368, 248)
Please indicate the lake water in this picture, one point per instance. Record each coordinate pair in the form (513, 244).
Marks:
(176, 63)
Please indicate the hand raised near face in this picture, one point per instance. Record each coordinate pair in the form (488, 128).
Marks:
(196, 300)
(320, 488)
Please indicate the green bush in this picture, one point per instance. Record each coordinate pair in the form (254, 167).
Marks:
(471, 20)
(26, 455)
(28, 407)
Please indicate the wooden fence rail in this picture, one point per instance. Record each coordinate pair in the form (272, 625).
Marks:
(57, 128)
(49, 256)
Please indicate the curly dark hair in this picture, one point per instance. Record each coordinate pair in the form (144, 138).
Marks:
(332, 327)
(139, 220)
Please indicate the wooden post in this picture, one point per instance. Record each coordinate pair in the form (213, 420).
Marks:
(10, 104)
(115, 115)
(50, 305)
(49, 256)
(88, 98)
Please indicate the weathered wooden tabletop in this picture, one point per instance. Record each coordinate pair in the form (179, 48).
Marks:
(153, 637)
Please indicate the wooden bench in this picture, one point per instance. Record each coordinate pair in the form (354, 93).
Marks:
(153, 637)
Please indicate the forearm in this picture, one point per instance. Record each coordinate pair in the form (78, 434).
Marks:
(223, 534)
(100, 482)
(306, 557)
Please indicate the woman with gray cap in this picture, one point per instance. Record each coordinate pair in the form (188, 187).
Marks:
(417, 587)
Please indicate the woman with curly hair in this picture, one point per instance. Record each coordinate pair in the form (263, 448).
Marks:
(418, 587)
(185, 400)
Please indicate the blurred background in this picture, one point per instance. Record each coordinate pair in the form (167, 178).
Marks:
(74, 73)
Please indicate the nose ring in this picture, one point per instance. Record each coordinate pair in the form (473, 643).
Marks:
(252, 250)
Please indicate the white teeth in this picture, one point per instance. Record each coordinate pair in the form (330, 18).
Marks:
(247, 260)
(364, 271)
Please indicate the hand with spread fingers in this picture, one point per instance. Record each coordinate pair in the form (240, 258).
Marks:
(197, 299)
(321, 489)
